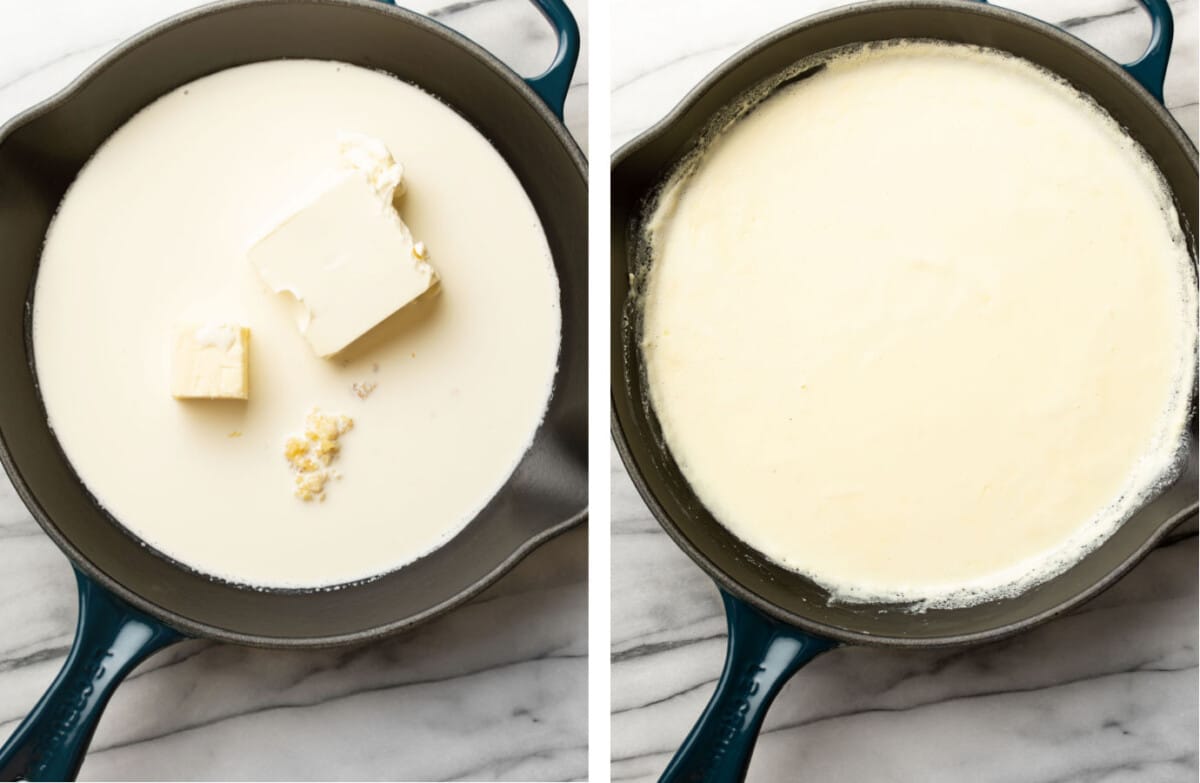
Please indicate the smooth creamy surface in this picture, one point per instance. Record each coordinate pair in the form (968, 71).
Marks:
(920, 326)
(155, 232)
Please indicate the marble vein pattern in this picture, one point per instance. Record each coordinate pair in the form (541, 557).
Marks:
(1108, 693)
(494, 691)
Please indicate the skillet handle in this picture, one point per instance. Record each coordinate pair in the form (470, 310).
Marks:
(552, 85)
(761, 655)
(1150, 69)
(110, 640)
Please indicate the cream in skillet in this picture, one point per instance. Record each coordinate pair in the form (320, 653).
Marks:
(920, 326)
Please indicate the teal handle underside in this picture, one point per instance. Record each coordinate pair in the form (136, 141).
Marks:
(111, 638)
(1150, 69)
(761, 655)
(552, 85)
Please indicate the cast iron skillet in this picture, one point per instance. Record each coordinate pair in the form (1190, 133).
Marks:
(134, 601)
(779, 620)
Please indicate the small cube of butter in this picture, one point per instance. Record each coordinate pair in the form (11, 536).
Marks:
(211, 361)
(348, 258)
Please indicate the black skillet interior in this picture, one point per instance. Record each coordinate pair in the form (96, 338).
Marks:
(38, 161)
(740, 569)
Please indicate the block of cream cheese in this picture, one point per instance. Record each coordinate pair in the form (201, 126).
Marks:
(347, 256)
(211, 361)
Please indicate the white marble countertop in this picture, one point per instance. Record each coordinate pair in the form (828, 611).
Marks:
(494, 690)
(1108, 693)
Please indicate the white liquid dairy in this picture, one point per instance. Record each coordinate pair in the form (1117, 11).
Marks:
(920, 326)
(155, 231)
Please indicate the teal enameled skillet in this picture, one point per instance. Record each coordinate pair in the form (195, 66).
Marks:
(778, 620)
(134, 601)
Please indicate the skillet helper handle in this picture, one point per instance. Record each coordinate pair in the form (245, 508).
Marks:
(761, 655)
(111, 638)
(552, 85)
(1150, 70)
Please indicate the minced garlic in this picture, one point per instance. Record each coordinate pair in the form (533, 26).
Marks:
(311, 454)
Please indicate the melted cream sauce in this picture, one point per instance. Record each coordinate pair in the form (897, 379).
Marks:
(154, 231)
(921, 326)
